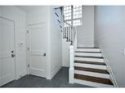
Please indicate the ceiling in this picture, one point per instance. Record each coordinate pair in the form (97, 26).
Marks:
(30, 8)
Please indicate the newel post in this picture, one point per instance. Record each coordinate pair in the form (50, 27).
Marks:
(71, 68)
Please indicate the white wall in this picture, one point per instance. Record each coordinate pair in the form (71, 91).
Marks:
(110, 37)
(18, 16)
(55, 41)
(86, 31)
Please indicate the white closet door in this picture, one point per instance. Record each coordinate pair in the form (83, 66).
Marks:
(7, 51)
(38, 46)
(0, 51)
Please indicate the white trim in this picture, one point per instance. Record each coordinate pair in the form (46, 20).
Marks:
(93, 74)
(89, 59)
(89, 50)
(93, 84)
(112, 77)
(89, 54)
(71, 69)
(91, 66)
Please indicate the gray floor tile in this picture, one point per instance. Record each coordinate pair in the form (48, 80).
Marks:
(29, 81)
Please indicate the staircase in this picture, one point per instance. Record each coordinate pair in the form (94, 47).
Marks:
(90, 68)
(87, 65)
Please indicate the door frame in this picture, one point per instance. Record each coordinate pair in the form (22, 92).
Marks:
(28, 46)
(27, 49)
(14, 48)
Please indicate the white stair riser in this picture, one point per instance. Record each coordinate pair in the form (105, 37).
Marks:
(89, 54)
(89, 59)
(90, 66)
(93, 74)
(89, 83)
(89, 50)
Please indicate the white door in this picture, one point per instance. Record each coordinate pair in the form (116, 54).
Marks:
(37, 49)
(7, 63)
(0, 52)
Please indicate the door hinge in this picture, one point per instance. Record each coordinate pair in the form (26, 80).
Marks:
(28, 65)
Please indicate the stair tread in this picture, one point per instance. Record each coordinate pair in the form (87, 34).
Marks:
(88, 56)
(92, 84)
(93, 74)
(91, 66)
(93, 79)
(87, 51)
(88, 47)
(92, 70)
(89, 62)
(89, 59)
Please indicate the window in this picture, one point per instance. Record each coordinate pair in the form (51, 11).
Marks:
(77, 12)
(73, 15)
(67, 13)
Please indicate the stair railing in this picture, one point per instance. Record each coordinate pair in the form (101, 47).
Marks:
(67, 32)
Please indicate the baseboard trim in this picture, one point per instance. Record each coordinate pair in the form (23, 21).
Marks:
(112, 77)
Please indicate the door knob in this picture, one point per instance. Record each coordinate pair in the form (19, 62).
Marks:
(12, 55)
(44, 54)
(12, 51)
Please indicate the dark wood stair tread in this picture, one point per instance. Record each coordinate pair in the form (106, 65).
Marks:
(93, 79)
(89, 62)
(91, 70)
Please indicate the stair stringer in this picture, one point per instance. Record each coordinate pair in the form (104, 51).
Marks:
(109, 69)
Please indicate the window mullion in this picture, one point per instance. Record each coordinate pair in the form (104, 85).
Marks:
(72, 15)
